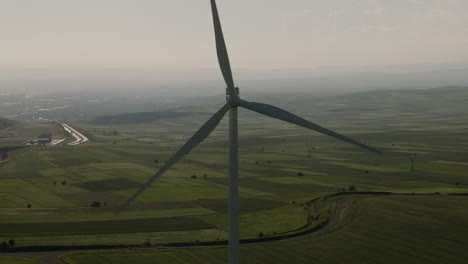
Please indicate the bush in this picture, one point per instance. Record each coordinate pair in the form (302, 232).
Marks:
(4, 246)
(260, 234)
(147, 243)
(193, 177)
(95, 204)
(300, 174)
(12, 243)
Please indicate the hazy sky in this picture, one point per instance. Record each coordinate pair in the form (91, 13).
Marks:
(259, 33)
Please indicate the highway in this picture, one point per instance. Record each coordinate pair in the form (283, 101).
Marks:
(79, 138)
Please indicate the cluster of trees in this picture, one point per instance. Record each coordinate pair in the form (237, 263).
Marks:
(351, 188)
(111, 133)
(97, 204)
(195, 176)
(62, 182)
(147, 243)
(7, 245)
(268, 161)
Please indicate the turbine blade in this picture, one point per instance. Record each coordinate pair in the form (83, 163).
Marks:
(221, 49)
(278, 113)
(196, 139)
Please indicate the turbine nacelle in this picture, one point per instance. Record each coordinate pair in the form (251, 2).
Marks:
(232, 97)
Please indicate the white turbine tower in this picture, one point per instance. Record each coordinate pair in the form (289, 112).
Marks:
(233, 102)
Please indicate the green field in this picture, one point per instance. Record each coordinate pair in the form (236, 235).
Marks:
(6, 260)
(46, 192)
(395, 229)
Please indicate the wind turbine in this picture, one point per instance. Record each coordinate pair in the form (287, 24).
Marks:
(233, 102)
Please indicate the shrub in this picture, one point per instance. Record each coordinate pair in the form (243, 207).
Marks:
(147, 243)
(95, 204)
(4, 246)
(12, 243)
(300, 174)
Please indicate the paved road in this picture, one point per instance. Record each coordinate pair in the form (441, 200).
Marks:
(79, 138)
(53, 257)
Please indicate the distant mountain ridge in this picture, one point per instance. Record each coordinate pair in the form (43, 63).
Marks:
(192, 81)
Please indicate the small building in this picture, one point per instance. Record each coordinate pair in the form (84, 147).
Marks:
(44, 139)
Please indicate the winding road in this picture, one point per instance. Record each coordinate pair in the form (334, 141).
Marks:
(53, 257)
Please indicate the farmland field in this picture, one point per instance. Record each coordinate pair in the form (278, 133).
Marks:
(5, 260)
(397, 229)
(63, 195)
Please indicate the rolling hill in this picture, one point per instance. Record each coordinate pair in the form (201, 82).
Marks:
(324, 106)
(139, 118)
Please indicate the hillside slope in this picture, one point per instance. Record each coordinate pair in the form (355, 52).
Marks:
(138, 118)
